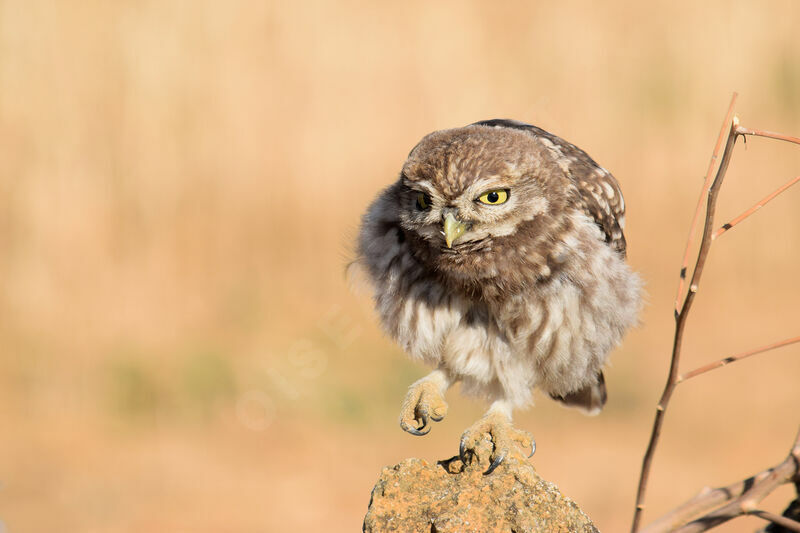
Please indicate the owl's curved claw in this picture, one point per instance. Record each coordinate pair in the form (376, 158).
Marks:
(533, 448)
(418, 431)
(415, 431)
(496, 462)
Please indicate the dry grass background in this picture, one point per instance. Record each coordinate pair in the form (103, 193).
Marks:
(180, 184)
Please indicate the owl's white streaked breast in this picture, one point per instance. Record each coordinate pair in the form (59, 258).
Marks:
(554, 335)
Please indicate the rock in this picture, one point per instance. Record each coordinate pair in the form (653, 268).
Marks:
(450, 496)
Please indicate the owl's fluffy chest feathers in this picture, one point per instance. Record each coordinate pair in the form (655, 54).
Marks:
(554, 334)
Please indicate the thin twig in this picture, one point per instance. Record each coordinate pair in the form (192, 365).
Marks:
(758, 205)
(682, 313)
(769, 134)
(737, 357)
(782, 521)
(723, 131)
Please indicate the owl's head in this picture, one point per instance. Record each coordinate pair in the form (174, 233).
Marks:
(469, 191)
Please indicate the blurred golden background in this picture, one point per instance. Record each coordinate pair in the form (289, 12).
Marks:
(180, 187)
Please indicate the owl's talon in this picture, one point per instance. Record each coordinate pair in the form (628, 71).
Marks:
(496, 462)
(505, 440)
(423, 403)
(418, 431)
(415, 431)
(423, 422)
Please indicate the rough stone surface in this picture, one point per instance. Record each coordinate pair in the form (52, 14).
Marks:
(451, 496)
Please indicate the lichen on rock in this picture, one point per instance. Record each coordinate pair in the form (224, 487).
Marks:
(451, 496)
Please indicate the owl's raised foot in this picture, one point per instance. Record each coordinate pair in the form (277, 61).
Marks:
(506, 439)
(424, 401)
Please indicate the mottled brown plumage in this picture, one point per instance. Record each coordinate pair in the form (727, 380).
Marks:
(498, 257)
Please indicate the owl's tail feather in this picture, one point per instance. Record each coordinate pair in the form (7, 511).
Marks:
(590, 399)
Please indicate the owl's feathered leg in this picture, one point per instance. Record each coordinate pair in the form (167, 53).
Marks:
(505, 437)
(425, 400)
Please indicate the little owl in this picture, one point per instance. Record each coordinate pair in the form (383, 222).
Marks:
(498, 258)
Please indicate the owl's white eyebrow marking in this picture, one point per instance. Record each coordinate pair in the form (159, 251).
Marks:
(422, 185)
(487, 184)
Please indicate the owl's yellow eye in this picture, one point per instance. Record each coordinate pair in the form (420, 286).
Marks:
(423, 201)
(495, 197)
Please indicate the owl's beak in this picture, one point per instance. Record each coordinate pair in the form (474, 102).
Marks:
(453, 229)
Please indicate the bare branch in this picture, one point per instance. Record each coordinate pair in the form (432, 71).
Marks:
(740, 498)
(758, 205)
(682, 311)
(737, 357)
(705, 500)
